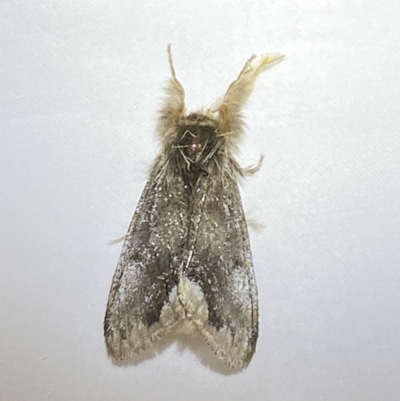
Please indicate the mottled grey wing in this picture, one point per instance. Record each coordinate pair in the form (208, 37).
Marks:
(217, 286)
(144, 284)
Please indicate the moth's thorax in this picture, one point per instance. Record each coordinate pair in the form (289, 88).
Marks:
(196, 141)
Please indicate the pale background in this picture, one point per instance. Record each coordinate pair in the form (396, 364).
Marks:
(81, 82)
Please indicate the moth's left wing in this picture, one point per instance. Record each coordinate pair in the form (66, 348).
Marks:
(217, 286)
(141, 303)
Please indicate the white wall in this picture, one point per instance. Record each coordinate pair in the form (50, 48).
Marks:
(81, 82)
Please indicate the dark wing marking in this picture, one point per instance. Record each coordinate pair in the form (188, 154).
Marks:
(217, 286)
(139, 308)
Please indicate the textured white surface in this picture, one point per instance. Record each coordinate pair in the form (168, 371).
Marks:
(80, 86)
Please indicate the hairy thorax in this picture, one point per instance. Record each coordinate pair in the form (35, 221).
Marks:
(196, 143)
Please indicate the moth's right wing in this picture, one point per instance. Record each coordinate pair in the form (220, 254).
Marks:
(218, 289)
(140, 305)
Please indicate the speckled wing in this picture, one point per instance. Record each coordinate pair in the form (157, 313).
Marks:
(217, 286)
(144, 285)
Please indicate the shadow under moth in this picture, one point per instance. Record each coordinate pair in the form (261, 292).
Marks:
(186, 255)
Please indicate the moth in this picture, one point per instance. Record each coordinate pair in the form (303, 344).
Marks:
(186, 256)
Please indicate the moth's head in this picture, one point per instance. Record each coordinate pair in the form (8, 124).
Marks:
(198, 136)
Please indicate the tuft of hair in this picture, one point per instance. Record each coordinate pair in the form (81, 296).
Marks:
(174, 102)
(239, 91)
